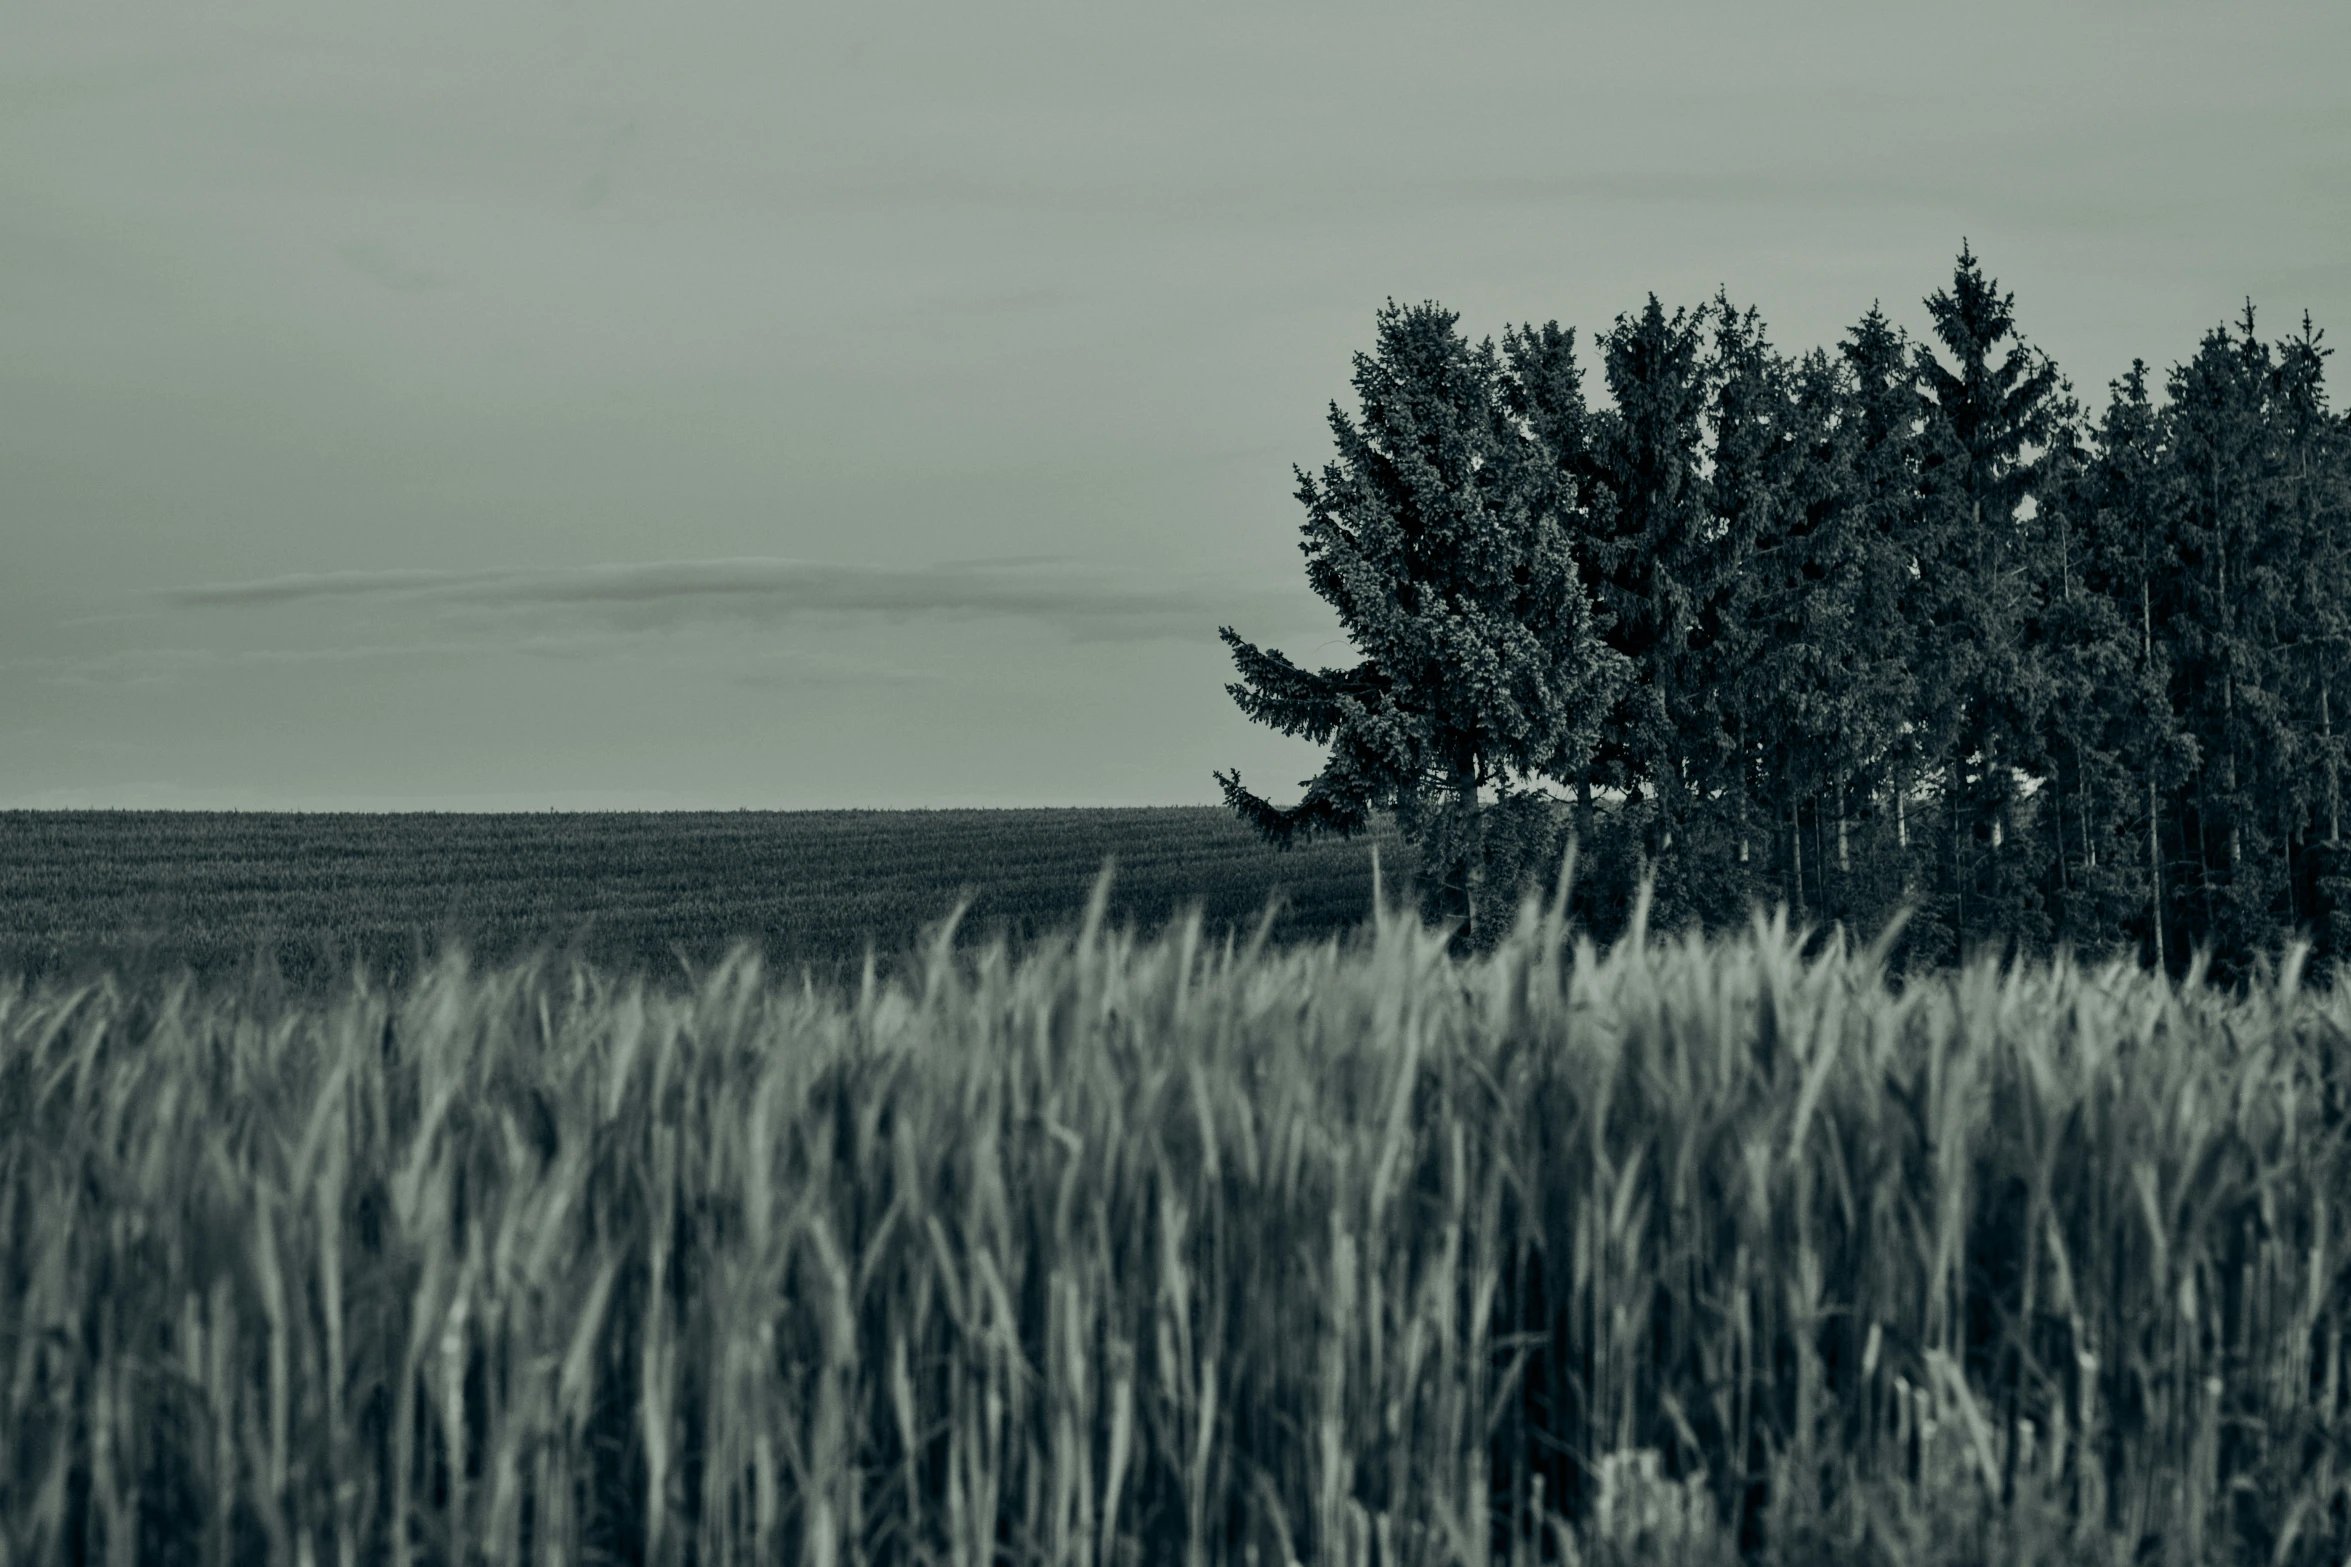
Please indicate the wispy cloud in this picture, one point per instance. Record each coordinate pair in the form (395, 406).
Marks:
(1085, 601)
(791, 669)
(319, 584)
(138, 666)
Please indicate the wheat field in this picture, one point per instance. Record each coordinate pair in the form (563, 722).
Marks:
(646, 892)
(1172, 1250)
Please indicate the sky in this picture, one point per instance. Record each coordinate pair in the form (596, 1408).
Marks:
(610, 404)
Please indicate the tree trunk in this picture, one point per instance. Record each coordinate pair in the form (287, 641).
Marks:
(1957, 828)
(2326, 726)
(2089, 843)
(2287, 840)
(2154, 821)
(1902, 828)
(2057, 821)
(2228, 679)
(1820, 859)
(2228, 691)
(2204, 851)
(1844, 854)
(1796, 843)
(1473, 859)
(1996, 791)
(2155, 863)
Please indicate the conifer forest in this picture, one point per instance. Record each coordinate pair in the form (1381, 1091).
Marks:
(1892, 623)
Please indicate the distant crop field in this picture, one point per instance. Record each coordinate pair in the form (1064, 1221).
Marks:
(84, 890)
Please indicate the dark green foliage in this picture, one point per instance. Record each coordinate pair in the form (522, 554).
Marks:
(1989, 410)
(2314, 455)
(2228, 581)
(1903, 627)
(1767, 713)
(1440, 534)
(2106, 722)
(2128, 560)
(1648, 518)
(1879, 555)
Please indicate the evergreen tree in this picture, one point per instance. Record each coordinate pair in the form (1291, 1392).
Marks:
(2234, 565)
(1766, 632)
(1438, 537)
(1545, 391)
(1992, 412)
(2103, 717)
(2130, 558)
(2314, 450)
(1652, 542)
(1894, 626)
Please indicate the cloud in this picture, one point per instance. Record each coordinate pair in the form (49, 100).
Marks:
(323, 584)
(1085, 601)
(783, 669)
(139, 666)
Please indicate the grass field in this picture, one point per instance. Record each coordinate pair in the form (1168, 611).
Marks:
(1180, 1250)
(83, 891)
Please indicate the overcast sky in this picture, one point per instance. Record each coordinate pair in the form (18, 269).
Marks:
(613, 404)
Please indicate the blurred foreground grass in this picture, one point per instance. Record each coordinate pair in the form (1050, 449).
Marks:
(1179, 1250)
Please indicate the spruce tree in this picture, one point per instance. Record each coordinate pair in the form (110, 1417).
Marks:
(2314, 451)
(2235, 554)
(2103, 719)
(2130, 557)
(1766, 633)
(1993, 410)
(1545, 390)
(1437, 534)
(1894, 623)
(1652, 543)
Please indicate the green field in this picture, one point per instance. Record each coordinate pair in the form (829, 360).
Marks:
(1132, 1252)
(84, 890)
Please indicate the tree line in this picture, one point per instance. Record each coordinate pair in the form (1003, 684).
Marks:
(1893, 625)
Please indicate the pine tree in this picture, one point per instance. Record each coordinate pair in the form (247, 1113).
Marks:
(1437, 535)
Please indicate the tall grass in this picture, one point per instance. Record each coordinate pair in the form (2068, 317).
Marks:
(1179, 1252)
